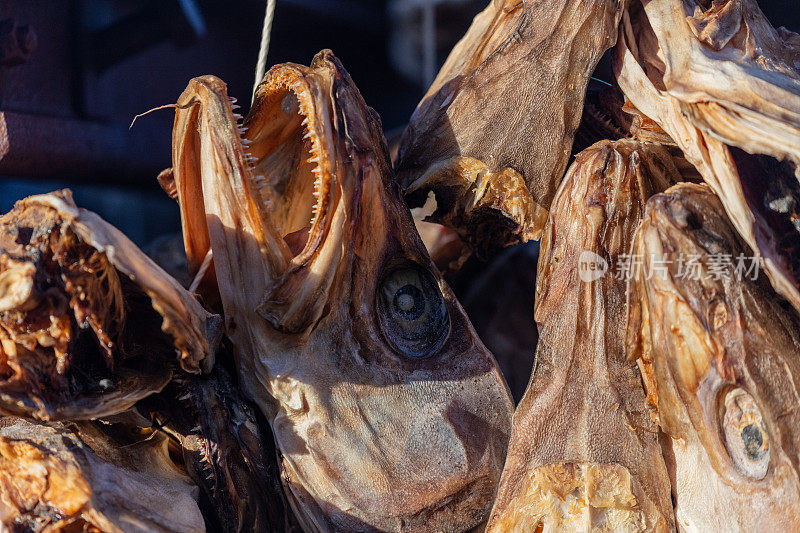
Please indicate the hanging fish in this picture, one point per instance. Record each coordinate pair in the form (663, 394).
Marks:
(722, 356)
(89, 325)
(584, 452)
(387, 410)
(492, 136)
(725, 85)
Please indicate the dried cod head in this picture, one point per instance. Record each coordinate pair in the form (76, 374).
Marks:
(388, 411)
(92, 477)
(584, 452)
(89, 325)
(493, 135)
(725, 85)
(228, 451)
(723, 358)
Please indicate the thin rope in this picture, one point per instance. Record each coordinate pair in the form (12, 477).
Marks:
(601, 81)
(261, 65)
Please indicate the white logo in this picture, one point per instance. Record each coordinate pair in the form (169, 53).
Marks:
(591, 266)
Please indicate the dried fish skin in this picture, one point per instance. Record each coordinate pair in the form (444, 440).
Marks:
(738, 76)
(724, 356)
(312, 245)
(88, 324)
(584, 453)
(725, 86)
(501, 116)
(228, 451)
(78, 477)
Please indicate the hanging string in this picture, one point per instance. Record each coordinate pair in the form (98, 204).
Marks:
(261, 65)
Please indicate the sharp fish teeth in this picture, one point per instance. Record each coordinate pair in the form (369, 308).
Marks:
(237, 116)
(234, 107)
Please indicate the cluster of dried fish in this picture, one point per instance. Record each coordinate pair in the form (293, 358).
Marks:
(321, 375)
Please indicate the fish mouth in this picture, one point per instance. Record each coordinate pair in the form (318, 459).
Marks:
(279, 161)
(288, 143)
(70, 283)
(776, 203)
(272, 178)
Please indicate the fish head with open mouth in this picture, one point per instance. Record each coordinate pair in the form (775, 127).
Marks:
(723, 354)
(387, 409)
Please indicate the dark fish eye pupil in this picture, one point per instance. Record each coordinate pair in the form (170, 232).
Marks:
(412, 311)
(409, 302)
(753, 441)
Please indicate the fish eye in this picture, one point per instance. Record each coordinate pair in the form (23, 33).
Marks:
(746, 437)
(412, 313)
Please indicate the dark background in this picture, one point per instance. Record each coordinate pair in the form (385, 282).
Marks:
(98, 63)
(66, 107)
